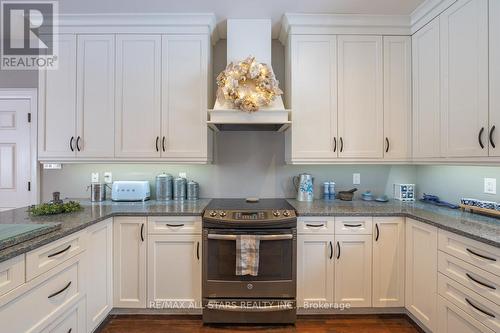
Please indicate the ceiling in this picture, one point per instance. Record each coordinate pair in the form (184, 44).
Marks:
(224, 9)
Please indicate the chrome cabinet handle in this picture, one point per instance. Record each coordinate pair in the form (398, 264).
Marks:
(479, 282)
(489, 314)
(338, 250)
(261, 237)
(377, 232)
(227, 307)
(480, 255)
(492, 143)
(60, 291)
(315, 225)
(480, 138)
(59, 252)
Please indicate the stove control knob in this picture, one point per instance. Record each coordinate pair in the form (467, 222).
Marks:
(276, 213)
(213, 213)
(286, 213)
(222, 214)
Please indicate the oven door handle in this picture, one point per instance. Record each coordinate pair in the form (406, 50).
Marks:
(228, 307)
(261, 237)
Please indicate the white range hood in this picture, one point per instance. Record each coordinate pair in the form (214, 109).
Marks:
(249, 38)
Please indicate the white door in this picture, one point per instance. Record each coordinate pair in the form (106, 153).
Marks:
(421, 272)
(138, 96)
(315, 269)
(99, 279)
(353, 270)
(426, 91)
(184, 96)
(95, 96)
(129, 262)
(452, 319)
(397, 97)
(464, 83)
(15, 154)
(388, 262)
(57, 101)
(314, 97)
(174, 270)
(360, 104)
(494, 32)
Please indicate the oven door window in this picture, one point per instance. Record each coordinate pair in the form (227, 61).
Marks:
(275, 259)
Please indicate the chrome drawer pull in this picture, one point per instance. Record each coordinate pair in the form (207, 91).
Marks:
(261, 237)
(480, 283)
(480, 255)
(268, 308)
(479, 309)
(353, 225)
(60, 291)
(315, 225)
(59, 252)
(175, 225)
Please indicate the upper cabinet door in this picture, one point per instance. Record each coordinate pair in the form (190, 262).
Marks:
(95, 96)
(426, 86)
(314, 97)
(397, 97)
(184, 96)
(464, 84)
(138, 96)
(494, 78)
(57, 100)
(361, 114)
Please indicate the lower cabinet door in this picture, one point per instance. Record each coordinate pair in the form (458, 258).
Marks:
(451, 319)
(353, 270)
(72, 321)
(99, 272)
(174, 271)
(315, 270)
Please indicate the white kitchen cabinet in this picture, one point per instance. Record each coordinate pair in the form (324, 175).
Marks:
(72, 321)
(389, 262)
(421, 272)
(313, 80)
(174, 271)
(315, 269)
(464, 79)
(129, 262)
(95, 102)
(99, 272)
(353, 270)
(397, 97)
(451, 319)
(426, 91)
(494, 71)
(138, 96)
(360, 96)
(57, 104)
(184, 96)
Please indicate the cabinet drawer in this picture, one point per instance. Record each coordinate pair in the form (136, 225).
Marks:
(71, 321)
(453, 320)
(482, 282)
(174, 225)
(481, 309)
(42, 303)
(353, 225)
(49, 256)
(316, 225)
(12, 274)
(476, 253)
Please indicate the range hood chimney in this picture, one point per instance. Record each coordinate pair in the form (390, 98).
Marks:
(249, 38)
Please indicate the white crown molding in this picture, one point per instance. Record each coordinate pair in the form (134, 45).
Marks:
(297, 24)
(182, 23)
(427, 11)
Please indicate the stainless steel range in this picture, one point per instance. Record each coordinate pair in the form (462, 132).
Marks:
(270, 295)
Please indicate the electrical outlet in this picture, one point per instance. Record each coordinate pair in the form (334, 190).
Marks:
(490, 185)
(95, 177)
(182, 174)
(108, 177)
(356, 178)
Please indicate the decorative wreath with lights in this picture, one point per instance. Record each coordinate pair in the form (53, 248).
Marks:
(248, 84)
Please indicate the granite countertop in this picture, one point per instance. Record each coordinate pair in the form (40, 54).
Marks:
(482, 228)
(91, 214)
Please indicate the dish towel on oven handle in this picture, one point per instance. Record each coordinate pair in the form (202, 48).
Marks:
(247, 255)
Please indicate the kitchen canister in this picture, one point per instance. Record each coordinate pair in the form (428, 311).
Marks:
(164, 187)
(193, 190)
(179, 188)
(97, 192)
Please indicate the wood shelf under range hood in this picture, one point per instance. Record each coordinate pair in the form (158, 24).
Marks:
(237, 120)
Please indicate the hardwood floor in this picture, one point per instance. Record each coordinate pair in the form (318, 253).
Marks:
(326, 324)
